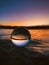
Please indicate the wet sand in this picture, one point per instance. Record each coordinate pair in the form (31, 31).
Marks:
(12, 55)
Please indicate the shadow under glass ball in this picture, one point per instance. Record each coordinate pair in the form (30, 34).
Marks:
(20, 36)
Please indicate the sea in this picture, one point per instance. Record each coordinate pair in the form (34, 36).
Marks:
(39, 35)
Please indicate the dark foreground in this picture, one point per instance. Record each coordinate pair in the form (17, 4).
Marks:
(12, 55)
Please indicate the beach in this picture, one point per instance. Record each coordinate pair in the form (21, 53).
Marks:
(36, 52)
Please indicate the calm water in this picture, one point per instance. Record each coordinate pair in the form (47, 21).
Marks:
(35, 34)
(42, 35)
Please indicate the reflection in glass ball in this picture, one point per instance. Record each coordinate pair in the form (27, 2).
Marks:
(20, 36)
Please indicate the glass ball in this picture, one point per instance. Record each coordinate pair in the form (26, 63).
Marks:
(20, 36)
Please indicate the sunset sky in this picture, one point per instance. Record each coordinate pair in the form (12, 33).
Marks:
(24, 12)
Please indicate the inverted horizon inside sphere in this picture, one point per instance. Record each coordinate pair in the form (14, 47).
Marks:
(20, 36)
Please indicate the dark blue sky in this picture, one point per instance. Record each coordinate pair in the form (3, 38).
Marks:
(16, 9)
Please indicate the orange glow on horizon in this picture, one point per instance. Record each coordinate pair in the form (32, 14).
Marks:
(28, 22)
